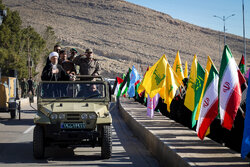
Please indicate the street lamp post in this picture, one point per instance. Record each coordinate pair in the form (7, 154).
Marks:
(224, 21)
(245, 55)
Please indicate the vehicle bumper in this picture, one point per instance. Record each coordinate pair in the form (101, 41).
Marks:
(55, 133)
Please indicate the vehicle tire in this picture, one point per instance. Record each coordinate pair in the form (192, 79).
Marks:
(13, 114)
(38, 142)
(106, 142)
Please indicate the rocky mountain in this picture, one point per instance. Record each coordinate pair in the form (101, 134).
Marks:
(124, 34)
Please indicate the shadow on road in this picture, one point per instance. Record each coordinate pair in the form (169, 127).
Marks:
(21, 153)
(17, 153)
(13, 122)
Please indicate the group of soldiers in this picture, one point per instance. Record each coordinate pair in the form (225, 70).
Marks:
(27, 87)
(63, 67)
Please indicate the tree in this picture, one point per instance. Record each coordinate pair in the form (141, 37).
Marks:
(17, 43)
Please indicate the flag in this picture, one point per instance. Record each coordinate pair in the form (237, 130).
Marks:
(209, 105)
(194, 88)
(207, 70)
(247, 73)
(177, 67)
(198, 90)
(190, 94)
(151, 105)
(119, 81)
(137, 96)
(242, 65)
(155, 78)
(229, 89)
(124, 85)
(141, 89)
(172, 84)
(208, 67)
(186, 70)
(245, 146)
(134, 80)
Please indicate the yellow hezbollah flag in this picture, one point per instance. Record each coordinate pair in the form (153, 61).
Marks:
(141, 88)
(186, 70)
(155, 78)
(208, 67)
(177, 67)
(190, 95)
(172, 84)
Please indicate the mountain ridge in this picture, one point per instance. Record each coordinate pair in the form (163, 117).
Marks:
(123, 34)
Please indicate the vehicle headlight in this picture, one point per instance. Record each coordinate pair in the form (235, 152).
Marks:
(53, 116)
(84, 116)
(61, 116)
(92, 116)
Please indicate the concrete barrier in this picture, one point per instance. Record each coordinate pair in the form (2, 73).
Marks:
(173, 144)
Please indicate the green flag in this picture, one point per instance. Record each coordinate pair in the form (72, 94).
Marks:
(198, 85)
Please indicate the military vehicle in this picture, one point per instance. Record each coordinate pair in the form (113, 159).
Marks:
(9, 99)
(73, 114)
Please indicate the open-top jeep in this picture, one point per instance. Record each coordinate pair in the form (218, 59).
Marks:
(72, 114)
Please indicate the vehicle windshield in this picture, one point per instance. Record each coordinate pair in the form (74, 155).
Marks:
(72, 90)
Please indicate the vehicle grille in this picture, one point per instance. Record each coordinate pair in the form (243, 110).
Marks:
(73, 117)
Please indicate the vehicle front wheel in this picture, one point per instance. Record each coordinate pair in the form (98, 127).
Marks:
(38, 142)
(106, 142)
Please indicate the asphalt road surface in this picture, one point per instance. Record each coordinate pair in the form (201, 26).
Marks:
(16, 145)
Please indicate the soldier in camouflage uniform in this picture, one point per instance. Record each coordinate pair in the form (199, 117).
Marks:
(24, 88)
(88, 65)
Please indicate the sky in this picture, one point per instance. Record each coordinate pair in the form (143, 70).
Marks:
(201, 13)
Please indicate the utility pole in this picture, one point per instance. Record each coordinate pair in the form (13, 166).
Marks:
(219, 44)
(29, 58)
(244, 38)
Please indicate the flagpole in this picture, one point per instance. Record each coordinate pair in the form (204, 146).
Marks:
(244, 38)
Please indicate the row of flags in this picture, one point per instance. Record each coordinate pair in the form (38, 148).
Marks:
(209, 93)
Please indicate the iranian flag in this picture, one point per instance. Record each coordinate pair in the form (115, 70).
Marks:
(209, 105)
(229, 89)
(119, 81)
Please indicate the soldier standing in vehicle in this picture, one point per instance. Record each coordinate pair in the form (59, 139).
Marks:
(88, 65)
(66, 64)
(73, 54)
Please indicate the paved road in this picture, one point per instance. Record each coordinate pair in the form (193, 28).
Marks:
(16, 146)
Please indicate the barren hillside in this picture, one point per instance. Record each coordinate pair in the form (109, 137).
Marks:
(123, 34)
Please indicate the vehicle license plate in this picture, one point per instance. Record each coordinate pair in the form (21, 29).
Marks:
(72, 125)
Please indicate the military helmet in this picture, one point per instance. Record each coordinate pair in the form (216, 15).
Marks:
(89, 50)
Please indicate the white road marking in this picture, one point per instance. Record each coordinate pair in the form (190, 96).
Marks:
(29, 129)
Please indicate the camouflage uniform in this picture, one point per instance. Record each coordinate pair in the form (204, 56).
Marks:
(24, 88)
(87, 66)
